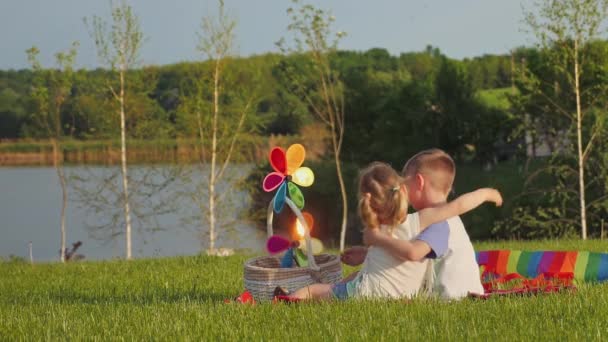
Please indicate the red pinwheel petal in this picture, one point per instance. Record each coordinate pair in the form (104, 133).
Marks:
(272, 181)
(278, 161)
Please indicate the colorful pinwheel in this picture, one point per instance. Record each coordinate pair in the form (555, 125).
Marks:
(287, 171)
(295, 250)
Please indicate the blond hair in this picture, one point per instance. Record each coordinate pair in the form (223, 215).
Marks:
(380, 198)
(435, 165)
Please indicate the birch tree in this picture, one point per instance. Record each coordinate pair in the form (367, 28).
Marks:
(218, 101)
(50, 91)
(119, 49)
(565, 29)
(318, 83)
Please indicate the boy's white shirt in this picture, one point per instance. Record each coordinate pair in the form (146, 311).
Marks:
(457, 272)
(384, 276)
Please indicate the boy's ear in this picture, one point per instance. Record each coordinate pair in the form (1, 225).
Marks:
(419, 181)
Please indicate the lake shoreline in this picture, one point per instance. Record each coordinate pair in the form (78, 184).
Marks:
(253, 149)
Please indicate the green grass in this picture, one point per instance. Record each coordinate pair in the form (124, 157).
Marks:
(181, 299)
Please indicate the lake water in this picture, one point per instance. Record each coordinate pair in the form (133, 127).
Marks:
(30, 204)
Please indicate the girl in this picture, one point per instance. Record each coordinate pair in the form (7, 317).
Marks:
(383, 205)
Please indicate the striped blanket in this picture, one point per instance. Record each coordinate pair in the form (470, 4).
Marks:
(585, 266)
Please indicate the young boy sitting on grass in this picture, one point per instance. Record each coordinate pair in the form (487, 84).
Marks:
(429, 176)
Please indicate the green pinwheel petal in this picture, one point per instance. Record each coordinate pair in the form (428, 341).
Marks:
(301, 258)
(296, 195)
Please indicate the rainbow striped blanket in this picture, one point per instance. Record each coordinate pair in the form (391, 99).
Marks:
(585, 266)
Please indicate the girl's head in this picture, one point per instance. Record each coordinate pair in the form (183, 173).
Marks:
(382, 196)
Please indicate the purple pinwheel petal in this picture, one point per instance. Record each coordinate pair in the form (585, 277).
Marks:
(272, 181)
(277, 244)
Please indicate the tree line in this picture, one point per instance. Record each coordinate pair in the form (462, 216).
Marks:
(160, 92)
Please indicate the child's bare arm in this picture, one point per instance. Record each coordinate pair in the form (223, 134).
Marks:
(459, 206)
(416, 250)
(405, 250)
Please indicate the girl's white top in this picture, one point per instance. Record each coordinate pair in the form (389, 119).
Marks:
(384, 276)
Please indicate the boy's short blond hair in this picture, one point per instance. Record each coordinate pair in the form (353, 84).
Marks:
(435, 165)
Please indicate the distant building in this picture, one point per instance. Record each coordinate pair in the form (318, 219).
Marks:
(544, 145)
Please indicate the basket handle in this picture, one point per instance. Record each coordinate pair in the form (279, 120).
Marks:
(312, 264)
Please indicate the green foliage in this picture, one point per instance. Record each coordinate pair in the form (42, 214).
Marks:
(182, 298)
(490, 71)
(440, 110)
(546, 205)
(560, 102)
(495, 98)
(50, 90)
(508, 177)
(12, 113)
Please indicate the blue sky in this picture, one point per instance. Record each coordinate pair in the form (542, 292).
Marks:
(460, 28)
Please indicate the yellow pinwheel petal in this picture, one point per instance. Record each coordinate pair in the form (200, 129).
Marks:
(317, 245)
(295, 157)
(303, 176)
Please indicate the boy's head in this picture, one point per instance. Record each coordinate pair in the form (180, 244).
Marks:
(429, 176)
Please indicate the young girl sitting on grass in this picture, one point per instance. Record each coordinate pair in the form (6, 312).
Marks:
(383, 205)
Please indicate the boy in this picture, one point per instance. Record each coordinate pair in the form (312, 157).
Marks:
(429, 176)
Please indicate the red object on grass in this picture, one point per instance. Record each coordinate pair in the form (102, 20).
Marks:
(243, 298)
(548, 282)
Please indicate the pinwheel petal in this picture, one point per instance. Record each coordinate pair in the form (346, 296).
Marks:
(317, 245)
(279, 198)
(301, 259)
(296, 195)
(300, 230)
(310, 221)
(272, 181)
(295, 157)
(278, 160)
(303, 176)
(277, 244)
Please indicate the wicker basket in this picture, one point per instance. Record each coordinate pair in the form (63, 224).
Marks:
(263, 274)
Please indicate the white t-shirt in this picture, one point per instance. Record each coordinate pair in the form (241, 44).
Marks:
(457, 271)
(384, 276)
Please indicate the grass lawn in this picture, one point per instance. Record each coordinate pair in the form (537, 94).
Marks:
(182, 299)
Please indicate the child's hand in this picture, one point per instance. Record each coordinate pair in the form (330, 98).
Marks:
(354, 256)
(494, 196)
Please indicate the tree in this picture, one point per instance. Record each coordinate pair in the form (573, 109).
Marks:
(218, 100)
(565, 30)
(50, 91)
(119, 49)
(317, 82)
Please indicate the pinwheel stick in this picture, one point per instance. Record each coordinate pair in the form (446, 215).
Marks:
(311, 260)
